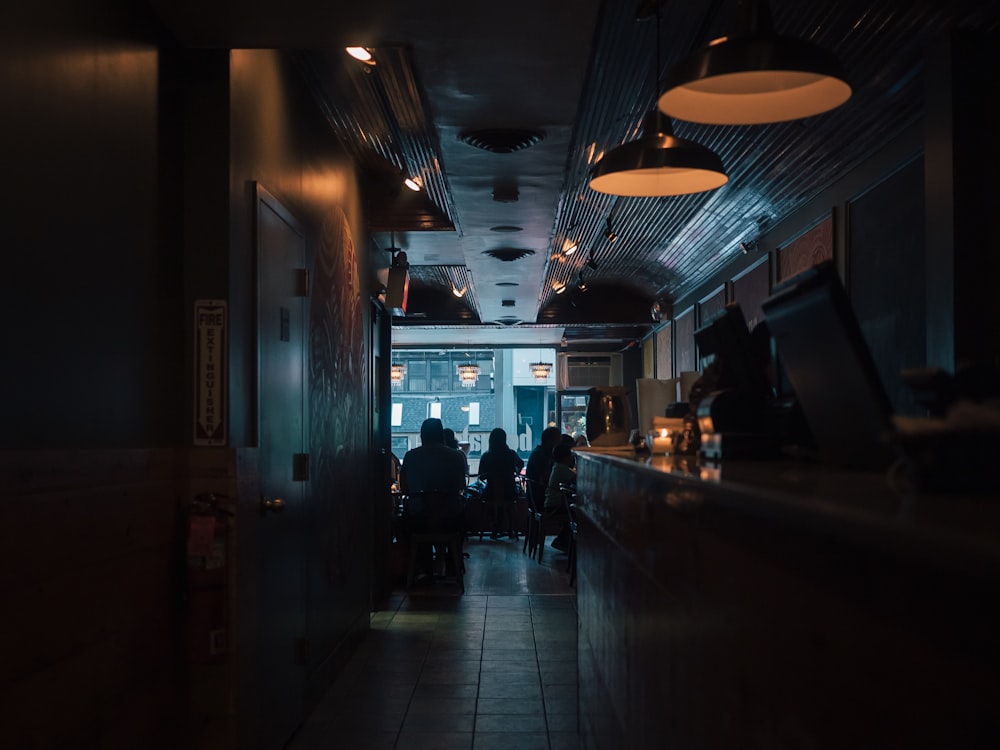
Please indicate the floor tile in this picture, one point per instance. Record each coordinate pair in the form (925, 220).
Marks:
(494, 669)
(438, 722)
(519, 706)
(502, 741)
(433, 741)
(511, 723)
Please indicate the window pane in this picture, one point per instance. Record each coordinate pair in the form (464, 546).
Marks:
(440, 376)
(416, 376)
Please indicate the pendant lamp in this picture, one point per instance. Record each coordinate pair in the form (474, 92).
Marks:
(540, 370)
(754, 76)
(468, 375)
(396, 372)
(658, 163)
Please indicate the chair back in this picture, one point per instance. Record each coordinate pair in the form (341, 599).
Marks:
(534, 494)
(435, 509)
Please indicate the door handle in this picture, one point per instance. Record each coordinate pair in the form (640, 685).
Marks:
(275, 505)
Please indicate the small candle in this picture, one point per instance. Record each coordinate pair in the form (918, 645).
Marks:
(659, 442)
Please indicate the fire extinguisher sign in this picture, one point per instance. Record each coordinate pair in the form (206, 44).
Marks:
(210, 372)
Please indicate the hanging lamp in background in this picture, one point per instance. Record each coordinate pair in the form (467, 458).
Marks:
(468, 375)
(540, 370)
(754, 76)
(396, 372)
(658, 163)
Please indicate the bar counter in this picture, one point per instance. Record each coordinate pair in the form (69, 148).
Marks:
(775, 604)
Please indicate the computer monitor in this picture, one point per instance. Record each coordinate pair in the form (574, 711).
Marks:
(830, 366)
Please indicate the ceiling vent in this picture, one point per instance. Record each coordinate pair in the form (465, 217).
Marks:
(506, 303)
(501, 140)
(506, 283)
(505, 194)
(508, 254)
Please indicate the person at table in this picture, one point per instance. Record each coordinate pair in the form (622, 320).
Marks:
(432, 467)
(540, 464)
(497, 468)
(563, 474)
(452, 442)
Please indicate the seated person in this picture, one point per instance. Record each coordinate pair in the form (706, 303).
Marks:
(563, 474)
(540, 464)
(434, 468)
(452, 442)
(498, 467)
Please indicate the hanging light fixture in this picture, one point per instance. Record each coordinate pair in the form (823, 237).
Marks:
(468, 375)
(658, 163)
(540, 370)
(754, 76)
(396, 372)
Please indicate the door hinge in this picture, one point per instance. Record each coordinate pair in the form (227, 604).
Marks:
(300, 467)
(303, 282)
(301, 651)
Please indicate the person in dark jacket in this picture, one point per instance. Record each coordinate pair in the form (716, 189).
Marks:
(435, 468)
(563, 475)
(498, 467)
(540, 464)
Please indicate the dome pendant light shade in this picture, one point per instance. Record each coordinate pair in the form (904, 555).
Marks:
(754, 77)
(658, 164)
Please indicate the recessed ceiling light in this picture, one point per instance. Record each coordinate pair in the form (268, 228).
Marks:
(501, 140)
(364, 54)
(508, 254)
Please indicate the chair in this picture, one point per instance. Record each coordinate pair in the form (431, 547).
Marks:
(545, 525)
(497, 508)
(440, 524)
(534, 522)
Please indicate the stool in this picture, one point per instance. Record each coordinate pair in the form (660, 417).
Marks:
(454, 541)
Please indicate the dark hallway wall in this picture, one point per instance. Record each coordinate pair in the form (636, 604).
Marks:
(281, 141)
(127, 195)
(91, 280)
(90, 395)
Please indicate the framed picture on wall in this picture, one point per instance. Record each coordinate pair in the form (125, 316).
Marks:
(809, 249)
(751, 288)
(684, 351)
(664, 353)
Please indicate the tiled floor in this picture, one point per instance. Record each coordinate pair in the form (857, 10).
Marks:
(495, 668)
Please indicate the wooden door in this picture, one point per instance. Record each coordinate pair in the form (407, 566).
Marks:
(283, 471)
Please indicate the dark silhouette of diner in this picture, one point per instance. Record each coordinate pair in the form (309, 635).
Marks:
(432, 480)
(498, 468)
